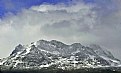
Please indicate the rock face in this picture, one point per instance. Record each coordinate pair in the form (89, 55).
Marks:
(59, 55)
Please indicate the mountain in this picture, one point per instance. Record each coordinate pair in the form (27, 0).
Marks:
(56, 54)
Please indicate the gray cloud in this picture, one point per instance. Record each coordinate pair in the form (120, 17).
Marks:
(76, 23)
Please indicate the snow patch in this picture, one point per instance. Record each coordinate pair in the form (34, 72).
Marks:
(2, 61)
(109, 60)
(16, 62)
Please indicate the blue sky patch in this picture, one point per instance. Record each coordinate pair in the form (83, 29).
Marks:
(15, 6)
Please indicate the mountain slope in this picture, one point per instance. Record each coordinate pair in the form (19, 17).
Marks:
(59, 55)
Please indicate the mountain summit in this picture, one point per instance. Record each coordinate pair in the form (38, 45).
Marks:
(56, 54)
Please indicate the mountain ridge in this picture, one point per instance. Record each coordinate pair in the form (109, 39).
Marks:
(57, 54)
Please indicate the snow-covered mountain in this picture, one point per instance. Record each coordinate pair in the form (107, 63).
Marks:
(59, 55)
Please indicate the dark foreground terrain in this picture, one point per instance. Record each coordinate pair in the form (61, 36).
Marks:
(91, 70)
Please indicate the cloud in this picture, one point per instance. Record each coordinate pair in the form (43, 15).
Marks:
(65, 23)
(78, 22)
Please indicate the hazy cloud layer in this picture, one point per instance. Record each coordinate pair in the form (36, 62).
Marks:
(80, 22)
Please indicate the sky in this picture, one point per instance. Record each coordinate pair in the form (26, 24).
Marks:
(69, 21)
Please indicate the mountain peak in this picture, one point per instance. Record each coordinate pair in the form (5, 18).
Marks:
(55, 41)
(58, 43)
(18, 49)
(43, 41)
(76, 44)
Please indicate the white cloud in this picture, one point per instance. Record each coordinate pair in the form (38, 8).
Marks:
(70, 9)
(64, 23)
(74, 23)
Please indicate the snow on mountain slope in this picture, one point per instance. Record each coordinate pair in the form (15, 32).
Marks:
(59, 55)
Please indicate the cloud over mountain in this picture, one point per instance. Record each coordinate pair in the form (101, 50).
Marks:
(78, 22)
